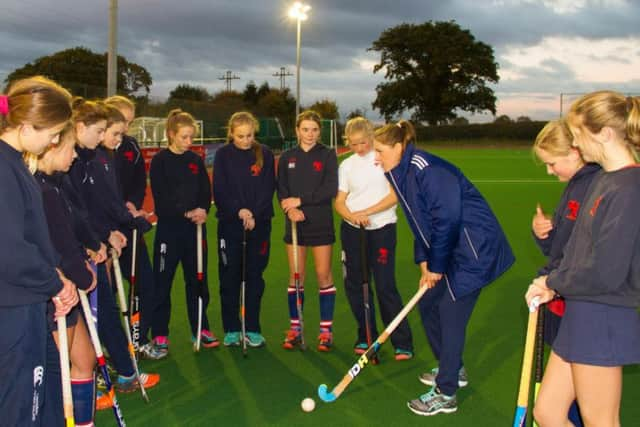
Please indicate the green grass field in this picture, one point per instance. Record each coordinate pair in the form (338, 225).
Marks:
(220, 387)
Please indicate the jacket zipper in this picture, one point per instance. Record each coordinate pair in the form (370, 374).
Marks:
(395, 184)
(466, 233)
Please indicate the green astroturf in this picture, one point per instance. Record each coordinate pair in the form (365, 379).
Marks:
(220, 387)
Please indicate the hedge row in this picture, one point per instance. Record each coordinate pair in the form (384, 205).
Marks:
(525, 131)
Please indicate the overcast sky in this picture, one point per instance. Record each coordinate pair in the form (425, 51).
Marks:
(543, 47)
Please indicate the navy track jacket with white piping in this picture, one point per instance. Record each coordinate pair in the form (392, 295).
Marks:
(456, 232)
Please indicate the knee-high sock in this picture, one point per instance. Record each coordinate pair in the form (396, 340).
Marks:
(293, 310)
(327, 305)
(84, 399)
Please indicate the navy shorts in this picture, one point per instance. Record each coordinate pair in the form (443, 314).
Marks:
(598, 334)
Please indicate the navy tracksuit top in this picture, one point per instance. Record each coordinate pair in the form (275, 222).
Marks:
(179, 183)
(129, 164)
(240, 183)
(455, 230)
(27, 257)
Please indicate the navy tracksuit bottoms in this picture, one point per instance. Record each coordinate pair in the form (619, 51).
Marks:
(175, 242)
(445, 323)
(230, 237)
(381, 250)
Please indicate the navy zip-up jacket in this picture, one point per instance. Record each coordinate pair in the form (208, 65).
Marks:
(129, 164)
(601, 261)
(564, 218)
(93, 175)
(59, 214)
(179, 183)
(238, 183)
(456, 232)
(27, 258)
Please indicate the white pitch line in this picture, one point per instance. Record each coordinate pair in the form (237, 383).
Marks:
(515, 181)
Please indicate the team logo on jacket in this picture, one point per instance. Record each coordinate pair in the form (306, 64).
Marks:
(383, 256)
(129, 156)
(264, 247)
(292, 163)
(317, 166)
(573, 206)
(193, 168)
(255, 169)
(594, 208)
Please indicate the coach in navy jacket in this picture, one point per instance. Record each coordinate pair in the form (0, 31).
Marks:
(459, 245)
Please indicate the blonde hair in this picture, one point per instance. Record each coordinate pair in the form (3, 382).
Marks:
(309, 115)
(245, 118)
(120, 102)
(113, 115)
(402, 132)
(67, 135)
(38, 101)
(596, 110)
(357, 125)
(87, 112)
(555, 138)
(177, 119)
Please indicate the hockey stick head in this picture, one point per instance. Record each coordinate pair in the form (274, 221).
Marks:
(325, 395)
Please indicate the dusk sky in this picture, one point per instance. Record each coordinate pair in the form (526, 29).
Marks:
(543, 47)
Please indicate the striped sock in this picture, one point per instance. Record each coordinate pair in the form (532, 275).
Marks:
(327, 305)
(293, 310)
(83, 401)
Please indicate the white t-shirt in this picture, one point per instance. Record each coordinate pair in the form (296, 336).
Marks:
(365, 185)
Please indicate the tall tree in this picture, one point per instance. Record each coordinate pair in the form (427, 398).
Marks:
(326, 108)
(250, 93)
(432, 70)
(188, 92)
(85, 72)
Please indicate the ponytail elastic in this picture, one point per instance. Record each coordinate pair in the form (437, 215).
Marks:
(4, 105)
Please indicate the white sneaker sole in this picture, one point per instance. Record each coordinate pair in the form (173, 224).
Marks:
(432, 383)
(428, 414)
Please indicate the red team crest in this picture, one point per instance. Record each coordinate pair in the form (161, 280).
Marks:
(383, 255)
(129, 156)
(573, 206)
(255, 170)
(193, 168)
(317, 166)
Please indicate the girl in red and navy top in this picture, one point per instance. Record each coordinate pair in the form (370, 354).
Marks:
(307, 184)
(132, 179)
(32, 114)
(599, 274)
(553, 146)
(182, 196)
(52, 164)
(243, 186)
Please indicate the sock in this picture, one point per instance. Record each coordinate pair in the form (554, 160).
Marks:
(327, 305)
(126, 378)
(83, 401)
(293, 310)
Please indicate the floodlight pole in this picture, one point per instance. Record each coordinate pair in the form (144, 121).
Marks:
(112, 55)
(298, 68)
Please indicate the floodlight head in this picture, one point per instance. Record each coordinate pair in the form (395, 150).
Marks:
(299, 11)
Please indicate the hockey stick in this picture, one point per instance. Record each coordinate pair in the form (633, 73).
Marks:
(362, 362)
(63, 347)
(100, 357)
(539, 355)
(296, 279)
(520, 418)
(243, 285)
(200, 276)
(127, 329)
(364, 259)
(134, 297)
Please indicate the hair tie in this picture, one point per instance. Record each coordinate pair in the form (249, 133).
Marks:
(4, 105)
(629, 106)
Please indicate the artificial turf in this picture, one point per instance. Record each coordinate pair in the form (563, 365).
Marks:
(220, 387)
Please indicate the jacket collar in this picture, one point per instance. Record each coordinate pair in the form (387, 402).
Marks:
(400, 171)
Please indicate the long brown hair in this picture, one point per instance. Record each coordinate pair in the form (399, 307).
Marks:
(402, 132)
